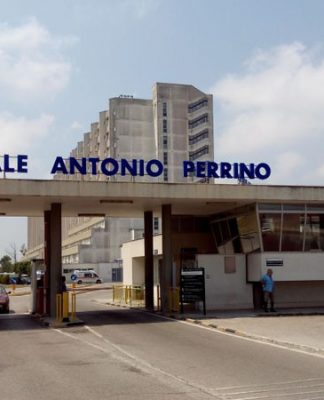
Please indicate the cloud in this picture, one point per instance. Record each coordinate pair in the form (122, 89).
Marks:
(139, 8)
(273, 111)
(32, 62)
(76, 126)
(20, 133)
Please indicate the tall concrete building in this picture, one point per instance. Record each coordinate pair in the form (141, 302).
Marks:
(175, 125)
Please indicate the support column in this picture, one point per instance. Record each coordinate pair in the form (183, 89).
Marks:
(149, 262)
(55, 259)
(166, 272)
(47, 253)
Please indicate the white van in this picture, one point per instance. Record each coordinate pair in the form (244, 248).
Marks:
(89, 276)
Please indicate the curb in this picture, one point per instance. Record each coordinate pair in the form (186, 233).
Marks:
(235, 332)
(19, 294)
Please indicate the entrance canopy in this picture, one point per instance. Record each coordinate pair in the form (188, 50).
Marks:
(129, 199)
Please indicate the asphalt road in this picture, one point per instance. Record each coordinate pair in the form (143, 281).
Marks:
(127, 354)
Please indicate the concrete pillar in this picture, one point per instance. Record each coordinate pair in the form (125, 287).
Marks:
(166, 272)
(149, 263)
(47, 254)
(55, 259)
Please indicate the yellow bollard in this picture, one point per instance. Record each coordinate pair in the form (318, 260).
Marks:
(59, 308)
(73, 306)
(174, 299)
(13, 287)
(114, 293)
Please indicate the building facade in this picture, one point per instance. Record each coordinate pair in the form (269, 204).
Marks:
(237, 246)
(175, 125)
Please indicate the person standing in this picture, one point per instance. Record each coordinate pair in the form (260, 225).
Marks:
(63, 284)
(268, 290)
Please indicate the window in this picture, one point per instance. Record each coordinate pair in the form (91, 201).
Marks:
(165, 158)
(198, 137)
(197, 105)
(249, 232)
(164, 110)
(226, 235)
(165, 126)
(156, 223)
(292, 227)
(292, 232)
(314, 232)
(198, 121)
(193, 155)
(165, 174)
(270, 230)
(165, 142)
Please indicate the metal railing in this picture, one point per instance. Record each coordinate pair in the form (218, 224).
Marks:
(129, 294)
(63, 312)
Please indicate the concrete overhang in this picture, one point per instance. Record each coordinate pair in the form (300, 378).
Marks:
(128, 199)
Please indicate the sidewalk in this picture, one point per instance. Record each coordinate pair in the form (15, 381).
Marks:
(298, 328)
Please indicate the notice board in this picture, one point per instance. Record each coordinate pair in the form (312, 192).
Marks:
(192, 286)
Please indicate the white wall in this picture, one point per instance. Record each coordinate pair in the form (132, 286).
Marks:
(225, 290)
(135, 249)
(296, 266)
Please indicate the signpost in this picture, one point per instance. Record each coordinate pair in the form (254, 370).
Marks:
(192, 288)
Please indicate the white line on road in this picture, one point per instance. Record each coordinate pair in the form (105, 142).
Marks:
(144, 366)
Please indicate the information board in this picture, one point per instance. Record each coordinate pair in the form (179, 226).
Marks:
(192, 286)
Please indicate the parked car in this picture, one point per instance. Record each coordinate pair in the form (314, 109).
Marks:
(20, 280)
(25, 279)
(4, 300)
(85, 277)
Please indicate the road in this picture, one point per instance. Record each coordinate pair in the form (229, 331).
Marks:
(127, 354)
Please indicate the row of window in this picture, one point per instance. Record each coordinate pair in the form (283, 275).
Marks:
(191, 107)
(197, 105)
(292, 232)
(198, 121)
(193, 155)
(198, 137)
(280, 227)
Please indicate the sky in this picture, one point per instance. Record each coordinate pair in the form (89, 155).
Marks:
(263, 61)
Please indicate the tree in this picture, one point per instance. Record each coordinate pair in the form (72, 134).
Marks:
(22, 267)
(23, 249)
(12, 251)
(6, 264)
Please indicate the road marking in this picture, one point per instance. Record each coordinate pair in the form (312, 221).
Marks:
(144, 366)
(248, 392)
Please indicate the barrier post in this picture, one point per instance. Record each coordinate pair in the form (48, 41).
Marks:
(127, 295)
(114, 293)
(174, 299)
(73, 306)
